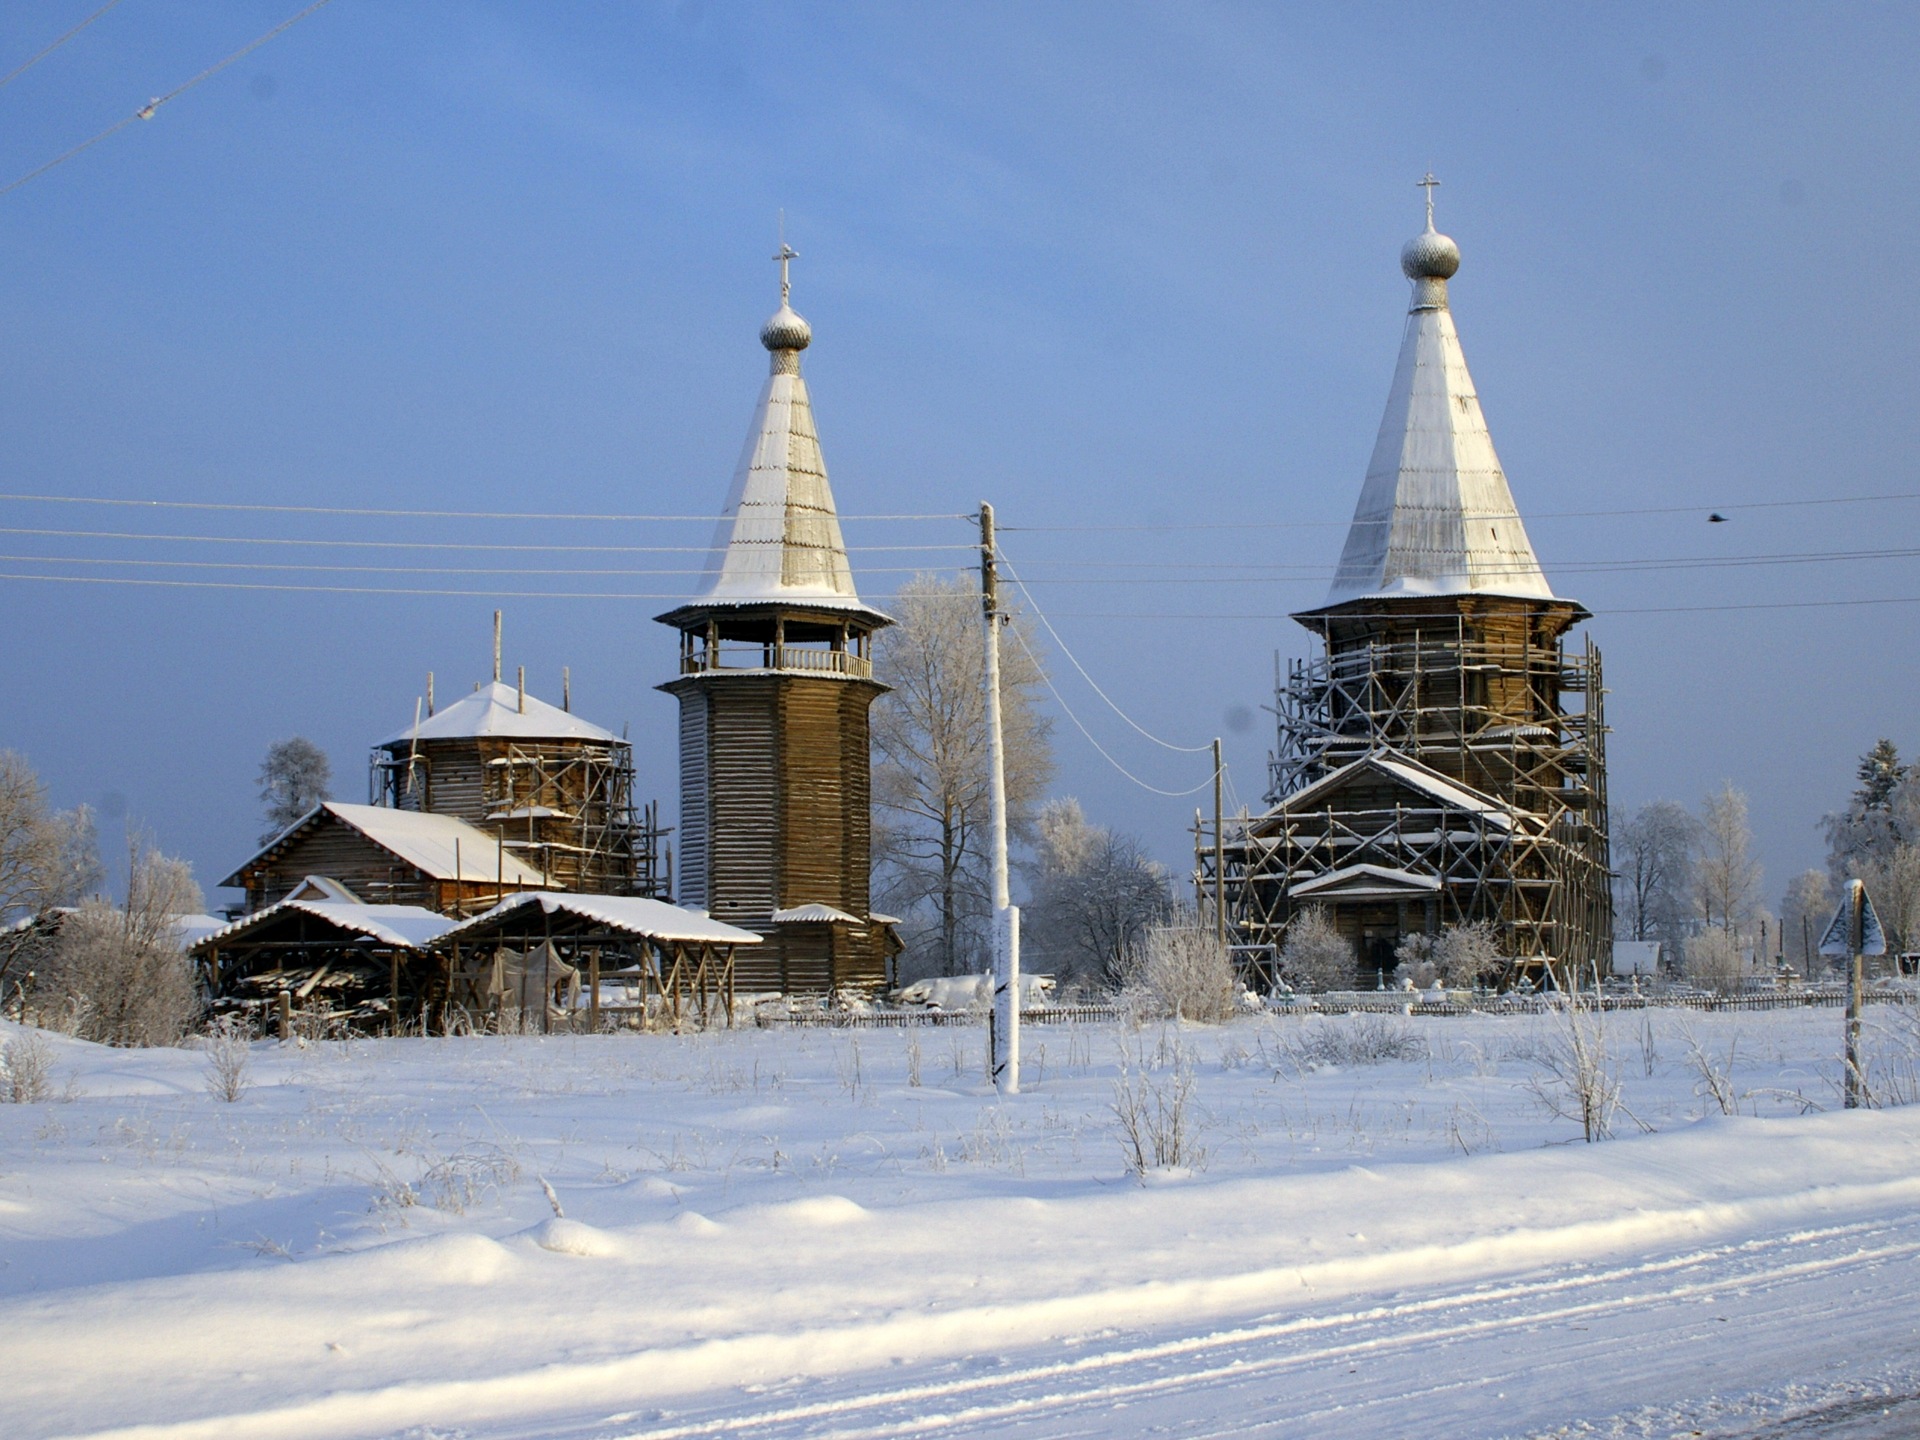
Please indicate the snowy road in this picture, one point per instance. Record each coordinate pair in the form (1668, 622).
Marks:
(1629, 1350)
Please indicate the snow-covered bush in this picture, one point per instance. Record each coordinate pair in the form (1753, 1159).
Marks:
(228, 1059)
(1182, 972)
(1315, 956)
(1153, 1102)
(1714, 961)
(1347, 1041)
(1460, 957)
(26, 1069)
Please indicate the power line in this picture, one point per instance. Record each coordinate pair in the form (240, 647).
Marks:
(1066, 650)
(408, 514)
(271, 567)
(265, 586)
(1357, 523)
(422, 544)
(1061, 701)
(30, 62)
(147, 111)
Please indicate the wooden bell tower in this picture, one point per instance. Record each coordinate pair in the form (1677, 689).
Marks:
(775, 685)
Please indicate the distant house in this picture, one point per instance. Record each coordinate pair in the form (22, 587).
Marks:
(387, 857)
(1636, 957)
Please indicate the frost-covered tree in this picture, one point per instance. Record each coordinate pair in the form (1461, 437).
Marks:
(1183, 973)
(1094, 894)
(295, 777)
(1715, 960)
(1726, 876)
(930, 831)
(1461, 957)
(47, 858)
(1804, 912)
(116, 974)
(1315, 955)
(1653, 886)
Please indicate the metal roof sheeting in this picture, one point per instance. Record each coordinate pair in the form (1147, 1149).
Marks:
(780, 537)
(632, 914)
(494, 709)
(1435, 515)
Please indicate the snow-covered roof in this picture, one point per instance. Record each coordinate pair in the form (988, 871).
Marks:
(408, 926)
(432, 844)
(1435, 515)
(1411, 772)
(495, 709)
(1366, 882)
(814, 913)
(634, 914)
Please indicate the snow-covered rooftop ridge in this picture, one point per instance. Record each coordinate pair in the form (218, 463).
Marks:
(439, 846)
(779, 536)
(634, 914)
(1447, 791)
(409, 926)
(814, 913)
(1435, 516)
(495, 709)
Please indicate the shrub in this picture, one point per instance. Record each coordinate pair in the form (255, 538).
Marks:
(1183, 973)
(1315, 956)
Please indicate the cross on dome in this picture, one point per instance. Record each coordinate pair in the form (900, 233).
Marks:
(1427, 183)
(788, 253)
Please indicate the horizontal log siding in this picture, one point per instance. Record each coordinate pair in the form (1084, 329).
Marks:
(693, 883)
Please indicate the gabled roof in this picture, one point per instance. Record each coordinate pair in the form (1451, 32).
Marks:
(432, 844)
(408, 926)
(1435, 515)
(1366, 882)
(631, 914)
(1448, 792)
(495, 709)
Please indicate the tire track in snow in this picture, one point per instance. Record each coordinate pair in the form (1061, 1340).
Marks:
(1081, 1394)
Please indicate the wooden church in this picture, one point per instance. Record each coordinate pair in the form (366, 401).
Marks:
(775, 685)
(1442, 760)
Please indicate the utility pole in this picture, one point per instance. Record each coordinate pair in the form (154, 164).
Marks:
(1003, 1033)
(1219, 854)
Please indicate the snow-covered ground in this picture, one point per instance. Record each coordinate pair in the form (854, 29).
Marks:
(844, 1233)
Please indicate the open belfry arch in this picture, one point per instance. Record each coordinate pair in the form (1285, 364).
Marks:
(775, 686)
(1443, 760)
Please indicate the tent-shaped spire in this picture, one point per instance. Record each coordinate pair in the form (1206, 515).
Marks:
(1435, 515)
(779, 538)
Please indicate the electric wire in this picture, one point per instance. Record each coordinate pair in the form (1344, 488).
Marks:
(1067, 650)
(1061, 701)
(33, 60)
(364, 511)
(1357, 523)
(148, 110)
(419, 544)
(270, 566)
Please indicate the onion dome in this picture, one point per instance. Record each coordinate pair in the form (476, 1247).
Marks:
(1430, 256)
(787, 331)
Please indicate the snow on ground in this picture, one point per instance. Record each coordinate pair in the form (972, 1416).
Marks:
(844, 1232)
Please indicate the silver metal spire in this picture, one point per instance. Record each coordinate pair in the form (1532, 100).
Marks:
(1435, 515)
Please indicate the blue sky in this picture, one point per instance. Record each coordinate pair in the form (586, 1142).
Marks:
(1114, 265)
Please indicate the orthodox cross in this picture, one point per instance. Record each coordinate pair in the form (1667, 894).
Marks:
(787, 253)
(1426, 183)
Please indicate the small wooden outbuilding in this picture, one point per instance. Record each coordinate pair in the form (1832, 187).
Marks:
(369, 964)
(563, 959)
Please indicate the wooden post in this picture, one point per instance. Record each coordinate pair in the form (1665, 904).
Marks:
(593, 993)
(393, 992)
(286, 1015)
(1856, 986)
(1219, 855)
(1003, 1035)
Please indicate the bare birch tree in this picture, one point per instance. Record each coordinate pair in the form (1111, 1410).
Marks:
(48, 859)
(1726, 876)
(1094, 895)
(1653, 849)
(930, 763)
